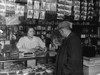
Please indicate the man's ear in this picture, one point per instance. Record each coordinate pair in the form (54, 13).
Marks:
(61, 31)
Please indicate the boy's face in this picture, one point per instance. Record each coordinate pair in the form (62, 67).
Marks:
(31, 32)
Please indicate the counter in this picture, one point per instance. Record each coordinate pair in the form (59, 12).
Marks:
(91, 66)
(30, 60)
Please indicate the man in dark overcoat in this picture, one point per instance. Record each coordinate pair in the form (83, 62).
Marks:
(69, 57)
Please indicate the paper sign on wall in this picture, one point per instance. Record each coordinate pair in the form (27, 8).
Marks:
(48, 5)
(29, 2)
(36, 14)
(19, 10)
(53, 7)
(43, 5)
(2, 9)
(30, 7)
(42, 14)
(10, 9)
(29, 13)
(36, 5)
(12, 20)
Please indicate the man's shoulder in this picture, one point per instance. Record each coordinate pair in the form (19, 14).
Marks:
(75, 38)
(74, 35)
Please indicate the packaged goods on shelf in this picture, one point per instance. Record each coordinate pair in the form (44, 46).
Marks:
(36, 14)
(30, 14)
(36, 5)
(43, 5)
(42, 14)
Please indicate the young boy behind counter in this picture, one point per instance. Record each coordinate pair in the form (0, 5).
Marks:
(29, 42)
